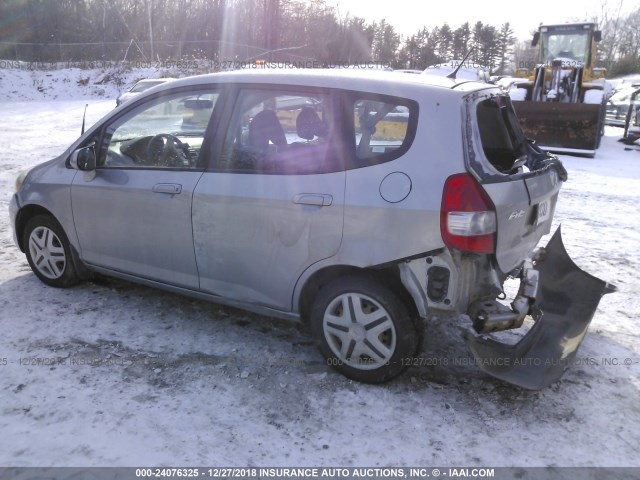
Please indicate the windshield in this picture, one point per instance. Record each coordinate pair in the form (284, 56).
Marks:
(566, 42)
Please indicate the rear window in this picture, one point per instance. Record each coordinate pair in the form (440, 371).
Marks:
(500, 134)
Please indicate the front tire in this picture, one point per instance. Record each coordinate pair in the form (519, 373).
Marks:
(48, 252)
(363, 329)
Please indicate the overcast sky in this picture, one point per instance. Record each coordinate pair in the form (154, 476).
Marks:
(409, 16)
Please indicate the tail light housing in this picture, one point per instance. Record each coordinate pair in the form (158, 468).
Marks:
(467, 216)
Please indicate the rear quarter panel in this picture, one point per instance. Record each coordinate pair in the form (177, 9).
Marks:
(377, 231)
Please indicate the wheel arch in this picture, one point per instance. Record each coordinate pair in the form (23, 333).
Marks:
(25, 214)
(388, 276)
(30, 211)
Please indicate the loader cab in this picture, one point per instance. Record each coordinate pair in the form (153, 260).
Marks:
(574, 44)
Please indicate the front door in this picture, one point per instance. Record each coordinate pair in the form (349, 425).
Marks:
(134, 217)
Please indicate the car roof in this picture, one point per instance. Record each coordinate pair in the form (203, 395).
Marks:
(153, 80)
(384, 82)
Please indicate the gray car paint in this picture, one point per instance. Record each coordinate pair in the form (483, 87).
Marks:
(253, 241)
(124, 225)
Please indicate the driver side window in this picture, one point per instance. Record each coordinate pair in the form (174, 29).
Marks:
(166, 132)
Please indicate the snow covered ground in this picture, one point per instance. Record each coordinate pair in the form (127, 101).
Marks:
(115, 374)
(37, 81)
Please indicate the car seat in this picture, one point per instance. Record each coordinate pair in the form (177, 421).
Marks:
(309, 124)
(266, 127)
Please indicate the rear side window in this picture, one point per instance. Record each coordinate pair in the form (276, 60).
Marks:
(301, 131)
(384, 127)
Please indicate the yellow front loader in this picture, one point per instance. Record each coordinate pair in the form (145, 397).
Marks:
(562, 106)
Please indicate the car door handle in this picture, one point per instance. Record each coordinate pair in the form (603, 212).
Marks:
(171, 188)
(319, 199)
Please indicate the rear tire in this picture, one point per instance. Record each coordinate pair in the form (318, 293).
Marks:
(363, 329)
(48, 252)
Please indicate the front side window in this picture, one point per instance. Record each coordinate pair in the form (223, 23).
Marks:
(166, 132)
(283, 132)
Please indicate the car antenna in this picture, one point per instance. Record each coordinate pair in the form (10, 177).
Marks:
(453, 74)
(84, 115)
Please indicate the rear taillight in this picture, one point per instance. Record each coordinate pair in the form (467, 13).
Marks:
(467, 216)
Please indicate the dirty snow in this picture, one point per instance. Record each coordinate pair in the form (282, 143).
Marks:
(114, 374)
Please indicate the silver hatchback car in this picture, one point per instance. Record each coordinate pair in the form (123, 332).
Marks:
(361, 202)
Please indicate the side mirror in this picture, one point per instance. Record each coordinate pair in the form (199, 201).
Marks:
(83, 159)
(597, 35)
(536, 38)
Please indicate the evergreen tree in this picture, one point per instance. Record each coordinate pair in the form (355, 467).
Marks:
(504, 44)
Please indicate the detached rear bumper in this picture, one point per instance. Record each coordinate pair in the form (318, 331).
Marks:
(566, 299)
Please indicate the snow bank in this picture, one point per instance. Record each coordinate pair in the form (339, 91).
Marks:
(59, 81)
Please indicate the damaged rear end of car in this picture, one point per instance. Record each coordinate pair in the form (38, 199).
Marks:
(492, 218)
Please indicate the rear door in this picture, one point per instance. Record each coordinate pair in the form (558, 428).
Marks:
(272, 205)
(522, 183)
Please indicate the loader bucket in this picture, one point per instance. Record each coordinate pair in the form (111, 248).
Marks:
(567, 299)
(561, 127)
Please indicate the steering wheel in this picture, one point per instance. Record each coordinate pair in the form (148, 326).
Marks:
(166, 150)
